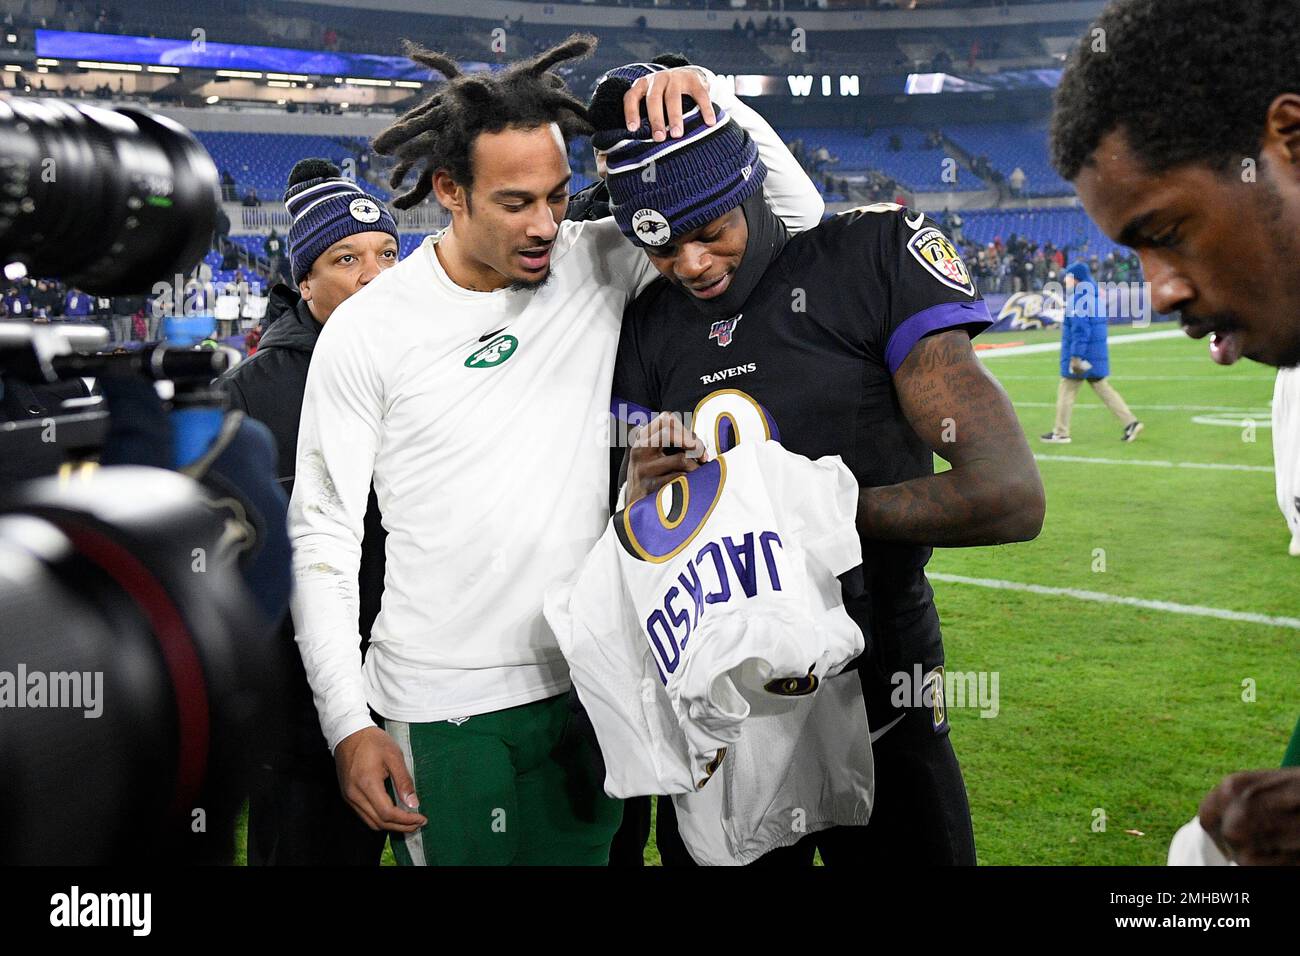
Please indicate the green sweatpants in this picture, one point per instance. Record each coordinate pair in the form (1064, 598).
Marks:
(1292, 756)
(516, 787)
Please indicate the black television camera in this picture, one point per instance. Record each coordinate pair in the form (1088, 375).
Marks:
(135, 659)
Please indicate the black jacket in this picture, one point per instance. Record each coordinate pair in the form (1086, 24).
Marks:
(590, 202)
(269, 386)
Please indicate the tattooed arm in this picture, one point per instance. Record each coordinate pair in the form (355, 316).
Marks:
(992, 494)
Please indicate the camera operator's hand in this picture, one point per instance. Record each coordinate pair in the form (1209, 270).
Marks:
(1254, 817)
(660, 452)
(366, 759)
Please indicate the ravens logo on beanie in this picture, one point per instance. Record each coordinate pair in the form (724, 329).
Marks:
(325, 207)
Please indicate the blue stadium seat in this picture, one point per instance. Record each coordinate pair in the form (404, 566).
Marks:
(916, 168)
(1063, 226)
(1008, 145)
(263, 161)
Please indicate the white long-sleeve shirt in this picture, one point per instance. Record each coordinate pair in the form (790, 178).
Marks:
(483, 420)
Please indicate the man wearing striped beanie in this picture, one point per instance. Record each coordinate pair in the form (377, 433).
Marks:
(336, 230)
(592, 201)
(662, 191)
(340, 240)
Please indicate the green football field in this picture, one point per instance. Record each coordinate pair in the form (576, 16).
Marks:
(1111, 714)
(1114, 719)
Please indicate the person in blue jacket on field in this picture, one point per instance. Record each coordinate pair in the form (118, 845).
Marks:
(1085, 356)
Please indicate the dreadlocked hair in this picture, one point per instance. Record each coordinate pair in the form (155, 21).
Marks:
(440, 132)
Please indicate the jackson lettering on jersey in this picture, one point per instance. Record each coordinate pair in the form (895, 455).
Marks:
(714, 598)
(669, 626)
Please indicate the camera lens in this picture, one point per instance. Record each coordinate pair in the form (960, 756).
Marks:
(146, 696)
(109, 200)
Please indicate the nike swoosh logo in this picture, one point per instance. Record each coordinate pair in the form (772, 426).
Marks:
(920, 218)
(484, 338)
(881, 732)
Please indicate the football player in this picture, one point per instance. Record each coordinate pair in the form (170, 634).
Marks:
(851, 339)
(1199, 172)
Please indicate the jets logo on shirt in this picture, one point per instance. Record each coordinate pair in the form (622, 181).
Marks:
(724, 330)
(494, 353)
(940, 258)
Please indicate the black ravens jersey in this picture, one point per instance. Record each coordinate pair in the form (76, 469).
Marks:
(810, 360)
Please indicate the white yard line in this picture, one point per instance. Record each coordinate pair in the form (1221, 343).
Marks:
(1056, 346)
(1044, 376)
(1225, 409)
(1149, 463)
(1171, 607)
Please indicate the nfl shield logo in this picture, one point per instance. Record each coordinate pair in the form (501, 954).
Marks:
(724, 330)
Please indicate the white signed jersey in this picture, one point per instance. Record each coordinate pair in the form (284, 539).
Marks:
(790, 774)
(713, 599)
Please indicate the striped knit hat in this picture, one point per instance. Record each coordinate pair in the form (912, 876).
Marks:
(630, 72)
(325, 208)
(663, 190)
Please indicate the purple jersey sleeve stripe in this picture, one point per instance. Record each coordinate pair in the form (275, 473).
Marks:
(630, 413)
(945, 315)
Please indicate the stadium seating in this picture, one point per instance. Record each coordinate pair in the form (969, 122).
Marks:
(262, 161)
(1008, 145)
(915, 167)
(1064, 226)
(725, 49)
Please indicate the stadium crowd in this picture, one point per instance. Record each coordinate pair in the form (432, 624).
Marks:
(1020, 264)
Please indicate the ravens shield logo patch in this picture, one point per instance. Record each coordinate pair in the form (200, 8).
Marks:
(940, 257)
